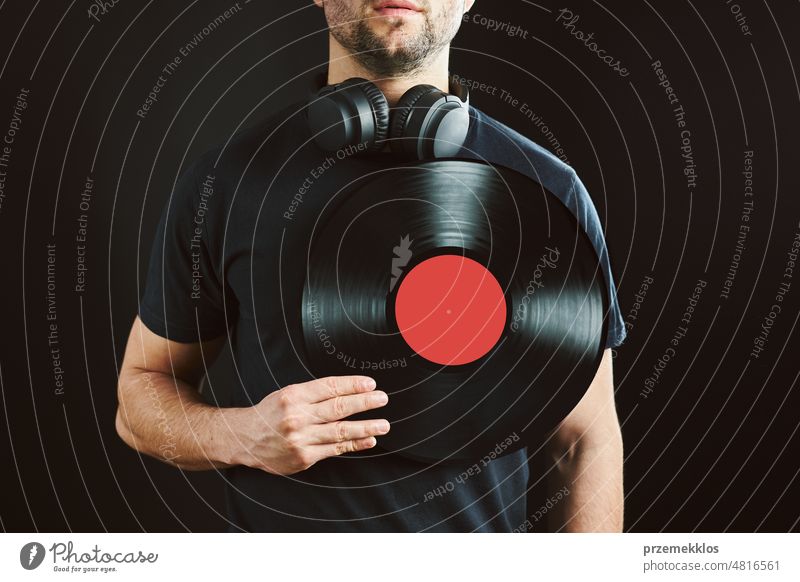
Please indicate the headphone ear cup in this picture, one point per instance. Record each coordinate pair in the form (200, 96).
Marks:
(352, 112)
(401, 143)
(380, 110)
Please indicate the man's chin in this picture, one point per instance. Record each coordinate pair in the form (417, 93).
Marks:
(398, 38)
(392, 47)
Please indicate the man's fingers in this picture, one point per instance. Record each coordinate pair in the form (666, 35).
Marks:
(346, 430)
(328, 387)
(343, 406)
(335, 449)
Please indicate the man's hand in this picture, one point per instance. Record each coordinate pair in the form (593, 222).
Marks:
(301, 424)
(161, 413)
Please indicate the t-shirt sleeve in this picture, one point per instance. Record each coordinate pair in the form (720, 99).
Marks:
(587, 215)
(183, 297)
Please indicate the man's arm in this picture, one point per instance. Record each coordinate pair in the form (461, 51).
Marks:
(162, 415)
(160, 411)
(586, 452)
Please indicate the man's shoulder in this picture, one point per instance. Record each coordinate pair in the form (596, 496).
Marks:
(494, 141)
(282, 129)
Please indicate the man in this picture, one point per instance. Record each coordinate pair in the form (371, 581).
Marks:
(227, 264)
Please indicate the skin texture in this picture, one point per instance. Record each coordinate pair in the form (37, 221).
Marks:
(364, 44)
(161, 413)
(586, 452)
(390, 46)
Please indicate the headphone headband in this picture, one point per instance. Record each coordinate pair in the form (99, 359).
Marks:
(426, 121)
(457, 89)
(320, 82)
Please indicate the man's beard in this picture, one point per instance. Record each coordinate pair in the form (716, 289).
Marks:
(353, 32)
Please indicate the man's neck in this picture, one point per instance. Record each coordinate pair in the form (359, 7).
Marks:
(342, 65)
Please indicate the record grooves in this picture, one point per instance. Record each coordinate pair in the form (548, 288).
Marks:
(469, 292)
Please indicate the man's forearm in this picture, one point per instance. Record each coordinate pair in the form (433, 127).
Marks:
(589, 477)
(164, 417)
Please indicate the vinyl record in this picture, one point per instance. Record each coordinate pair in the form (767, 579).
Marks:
(469, 292)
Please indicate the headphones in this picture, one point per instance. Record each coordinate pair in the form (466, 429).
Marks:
(425, 123)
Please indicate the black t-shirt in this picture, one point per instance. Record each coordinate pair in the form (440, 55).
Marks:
(228, 258)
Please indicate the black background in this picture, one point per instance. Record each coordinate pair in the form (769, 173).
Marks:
(712, 448)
